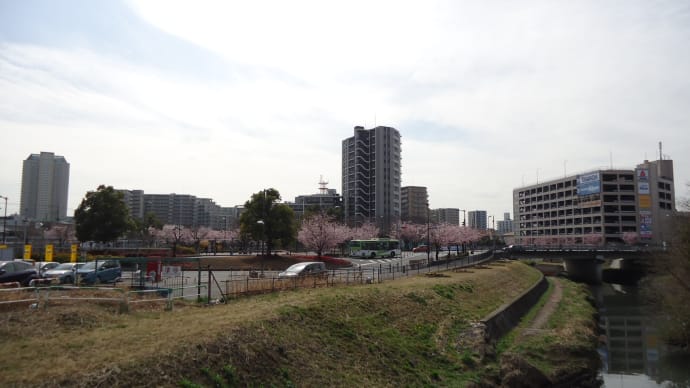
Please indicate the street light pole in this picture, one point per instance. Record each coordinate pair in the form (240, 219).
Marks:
(428, 234)
(263, 232)
(491, 231)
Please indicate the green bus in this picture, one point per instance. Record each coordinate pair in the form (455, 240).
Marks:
(375, 247)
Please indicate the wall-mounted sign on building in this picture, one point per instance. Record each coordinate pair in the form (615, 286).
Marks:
(646, 224)
(643, 187)
(588, 184)
(642, 181)
(645, 201)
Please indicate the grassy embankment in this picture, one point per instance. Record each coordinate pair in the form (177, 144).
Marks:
(412, 332)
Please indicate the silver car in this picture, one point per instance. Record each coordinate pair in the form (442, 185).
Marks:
(64, 273)
(43, 266)
(308, 268)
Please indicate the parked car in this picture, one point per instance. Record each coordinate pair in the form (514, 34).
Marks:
(514, 248)
(421, 248)
(43, 266)
(99, 271)
(17, 271)
(65, 273)
(307, 268)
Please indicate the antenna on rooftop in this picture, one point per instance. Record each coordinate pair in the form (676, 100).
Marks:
(661, 154)
(565, 174)
(323, 185)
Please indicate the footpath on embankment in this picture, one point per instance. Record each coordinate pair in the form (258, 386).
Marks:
(555, 342)
(417, 331)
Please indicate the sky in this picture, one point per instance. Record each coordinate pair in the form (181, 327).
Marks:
(221, 99)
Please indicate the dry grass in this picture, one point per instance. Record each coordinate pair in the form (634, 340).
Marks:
(90, 341)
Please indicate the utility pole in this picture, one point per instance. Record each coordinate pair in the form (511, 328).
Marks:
(4, 222)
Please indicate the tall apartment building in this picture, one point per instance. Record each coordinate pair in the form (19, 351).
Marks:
(371, 177)
(45, 182)
(605, 203)
(446, 216)
(134, 199)
(414, 204)
(477, 219)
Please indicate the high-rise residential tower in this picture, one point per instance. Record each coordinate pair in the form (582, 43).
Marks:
(371, 177)
(45, 181)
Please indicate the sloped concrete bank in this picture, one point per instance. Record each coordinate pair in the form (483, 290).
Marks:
(502, 320)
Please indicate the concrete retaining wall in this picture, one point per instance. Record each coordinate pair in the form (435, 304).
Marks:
(502, 320)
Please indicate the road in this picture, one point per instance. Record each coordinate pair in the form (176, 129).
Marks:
(404, 260)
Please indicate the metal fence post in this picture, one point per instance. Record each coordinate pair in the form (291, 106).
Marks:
(198, 280)
(208, 287)
(169, 302)
(124, 305)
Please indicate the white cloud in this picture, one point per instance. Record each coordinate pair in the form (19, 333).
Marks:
(491, 92)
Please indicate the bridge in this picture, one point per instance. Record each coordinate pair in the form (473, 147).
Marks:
(586, 263)
(580, 252)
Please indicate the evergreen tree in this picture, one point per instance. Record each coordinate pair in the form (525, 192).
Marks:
(102, 216)
(268, 220)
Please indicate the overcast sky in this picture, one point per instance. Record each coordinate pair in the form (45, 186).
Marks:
(220, 99)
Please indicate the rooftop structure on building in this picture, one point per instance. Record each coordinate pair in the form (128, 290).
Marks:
(324, 200)
(601, 205)
(371, 177)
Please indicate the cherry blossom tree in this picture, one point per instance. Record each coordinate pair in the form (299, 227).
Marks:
(197, 234)
(320, 233)
(468, 235)
(365, 231)
(62, 233)
(541, 241)
(630, 238)
(593, 239)
(412, 233)
(175, 235)
(443, 235)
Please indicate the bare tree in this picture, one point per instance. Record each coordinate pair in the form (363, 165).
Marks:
(669, 283)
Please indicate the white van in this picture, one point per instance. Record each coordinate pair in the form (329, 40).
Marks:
(307, 268)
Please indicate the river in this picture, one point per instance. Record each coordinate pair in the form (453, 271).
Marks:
(632, 353)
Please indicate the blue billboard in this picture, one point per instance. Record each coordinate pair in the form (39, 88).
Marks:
(588, 184)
